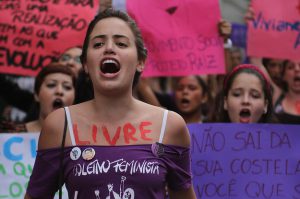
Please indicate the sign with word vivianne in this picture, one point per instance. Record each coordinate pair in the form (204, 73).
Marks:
(245, 160)
(275, 33)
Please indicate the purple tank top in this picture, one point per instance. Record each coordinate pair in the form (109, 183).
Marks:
(131, 171)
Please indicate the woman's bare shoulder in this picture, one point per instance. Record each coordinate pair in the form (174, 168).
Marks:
(52, 130)
(176, 132)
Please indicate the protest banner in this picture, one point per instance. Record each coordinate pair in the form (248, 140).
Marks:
(181, 36)
(17, 156)
(34, 33)
(275, 33)
(245, 160)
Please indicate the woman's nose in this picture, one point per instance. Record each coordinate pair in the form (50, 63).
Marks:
(297, 66)
(109, 48)
(245, 99)
(71, 61)
(59, 90)
(185, 90)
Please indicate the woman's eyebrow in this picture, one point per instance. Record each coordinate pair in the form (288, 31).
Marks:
(99, 36)
(114, 36)
(120, 36)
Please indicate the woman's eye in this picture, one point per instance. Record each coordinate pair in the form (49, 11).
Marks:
(256, 95)
(65, 57)
(192, 88)
(98, 44)
(121, 44)
(236, 94)
(291, 68)
(67, 87)
(179, 88)
(51, 85)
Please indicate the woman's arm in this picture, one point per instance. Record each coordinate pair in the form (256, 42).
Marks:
(176, 131)
(27, 196)
(146, 93)
(186, 194)
(250, 15)
(276, 90)
(52, 130)
(177, 134)
(225, 29)
(45, 173)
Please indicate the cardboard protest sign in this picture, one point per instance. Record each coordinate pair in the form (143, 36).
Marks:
(35, 32)
(17, 156)
(181, 36)
(275, 33)
(245, 160)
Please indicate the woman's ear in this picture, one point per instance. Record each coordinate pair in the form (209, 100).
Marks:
(204, 99)
(36, 97)
(140, 66)
(266, 107)
(85, 68)
(225, 104)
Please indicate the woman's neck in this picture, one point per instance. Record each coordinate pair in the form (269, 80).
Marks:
(34, 126)
(113, 107)
(193, 117)
(291, 103)
(292, 96)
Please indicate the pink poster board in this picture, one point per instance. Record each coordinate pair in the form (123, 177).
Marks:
(275, 31)
(181, 36)
(35, 32)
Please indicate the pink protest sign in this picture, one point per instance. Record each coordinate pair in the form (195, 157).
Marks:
(275, 33)
(35, 32)
(181, 36)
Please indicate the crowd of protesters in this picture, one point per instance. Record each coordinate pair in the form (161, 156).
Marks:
(252, 90)
(197, 98)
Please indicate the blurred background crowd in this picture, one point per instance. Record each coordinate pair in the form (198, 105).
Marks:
(26, 101)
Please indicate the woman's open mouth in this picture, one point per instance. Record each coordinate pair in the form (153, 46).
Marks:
(110, 66)
(57, 103)
(245, 116)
